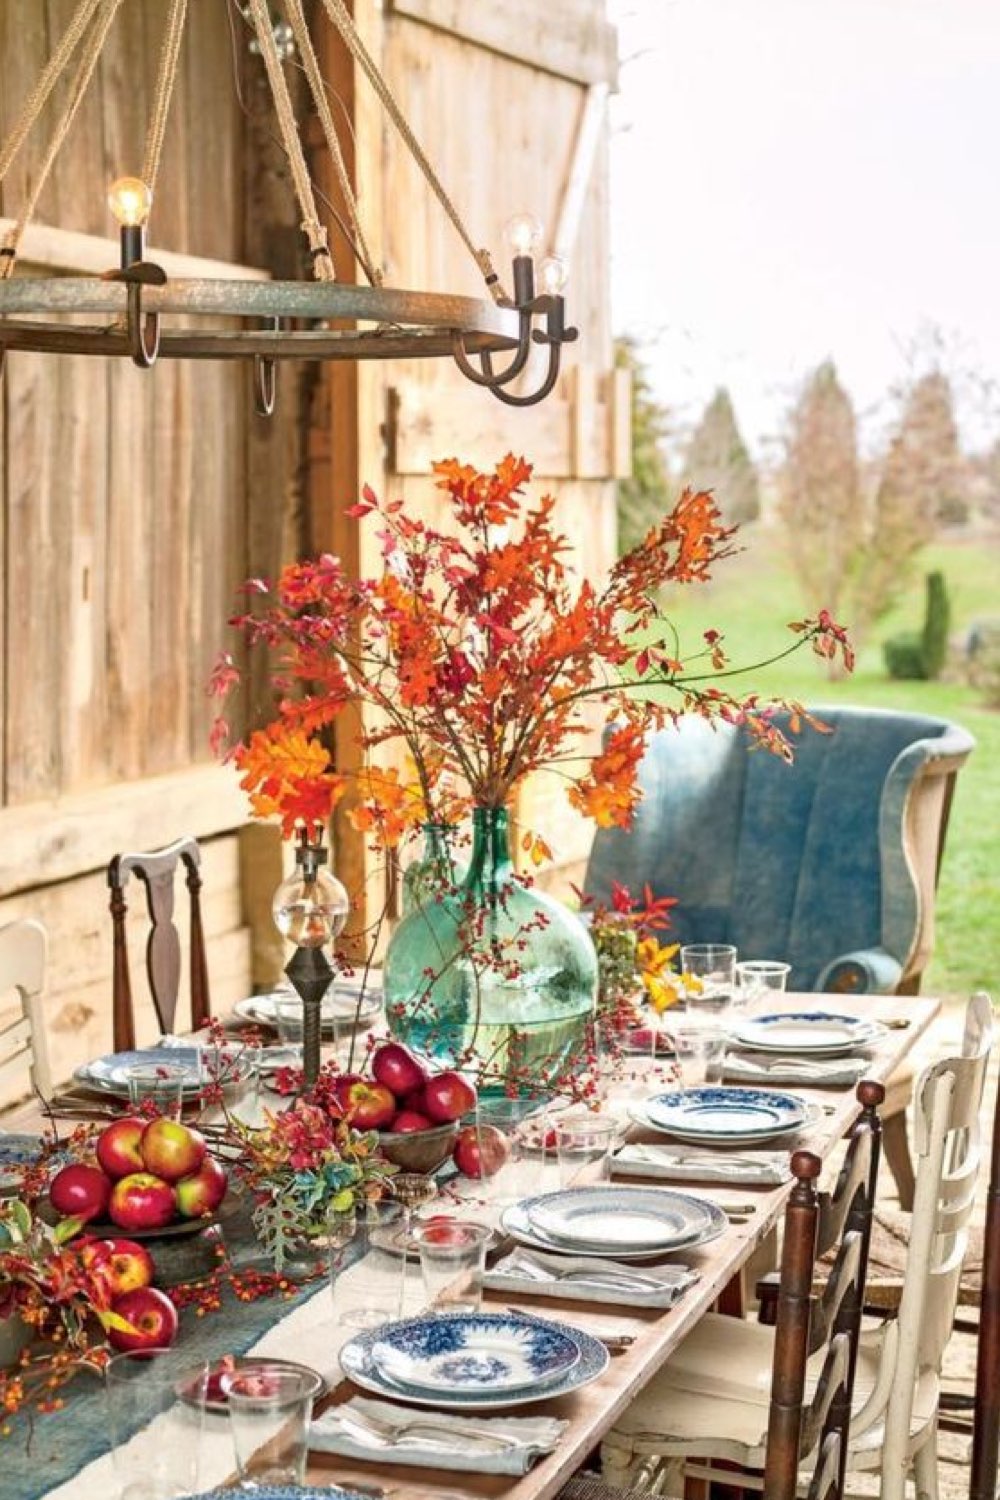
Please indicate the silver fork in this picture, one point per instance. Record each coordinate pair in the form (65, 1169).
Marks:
(390, 1433)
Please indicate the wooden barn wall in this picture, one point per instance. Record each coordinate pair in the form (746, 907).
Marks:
(133, 503)
(499, 98)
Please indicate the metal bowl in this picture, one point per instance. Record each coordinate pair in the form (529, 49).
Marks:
(419, 1150)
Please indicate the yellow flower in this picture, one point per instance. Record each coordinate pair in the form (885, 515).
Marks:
(653, 960)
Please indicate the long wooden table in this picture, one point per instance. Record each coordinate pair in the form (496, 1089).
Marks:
(592, 1411)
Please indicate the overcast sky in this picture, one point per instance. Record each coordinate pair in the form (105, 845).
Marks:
(798, 179)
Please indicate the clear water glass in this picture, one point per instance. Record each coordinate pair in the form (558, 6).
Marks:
(452, 1261)
(371, 1300)
(759, 978)
(157, 1086)
(583, 1145)
(713, 965)
(699, 1048)
(270, 1409)
(165, 1388)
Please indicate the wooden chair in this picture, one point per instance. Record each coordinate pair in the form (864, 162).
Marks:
(708, 1409)
(163, 950)
(23, 1048)
(985, 1457)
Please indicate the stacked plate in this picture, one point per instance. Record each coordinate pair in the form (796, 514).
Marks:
(110, 1074)
(818, 1033)
(614, 1223)
(717, 1114)
(473, 1360)
(343, 1001)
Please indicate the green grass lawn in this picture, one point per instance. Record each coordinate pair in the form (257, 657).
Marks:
(752, 598)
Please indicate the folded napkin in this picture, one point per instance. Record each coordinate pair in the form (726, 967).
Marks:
(759, 1067)
(585, 1278)
(697, 1163)
(454, 1447)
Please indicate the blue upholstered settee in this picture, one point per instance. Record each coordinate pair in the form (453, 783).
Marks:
(829, 863)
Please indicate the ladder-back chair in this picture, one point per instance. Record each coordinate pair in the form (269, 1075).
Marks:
(23, 1043)
(157, 871)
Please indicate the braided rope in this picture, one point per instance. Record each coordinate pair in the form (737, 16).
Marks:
(84, 72)
(35, 102)
(313, 229)
(310, 63)
(166, 77)
(341, 18)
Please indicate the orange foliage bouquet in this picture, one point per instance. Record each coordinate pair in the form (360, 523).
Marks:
(478, 650)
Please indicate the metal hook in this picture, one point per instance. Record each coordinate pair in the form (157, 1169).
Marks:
(142, 329)
(264, 385)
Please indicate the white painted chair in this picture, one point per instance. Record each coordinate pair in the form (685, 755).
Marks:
(23, 1049)
(710, 1402)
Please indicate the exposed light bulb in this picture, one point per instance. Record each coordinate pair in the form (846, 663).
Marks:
(552, 274)
(523, 233)
(310, 909)
(130, 200)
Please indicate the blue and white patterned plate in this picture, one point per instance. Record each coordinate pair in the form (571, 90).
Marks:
(473, 1352)
(621, 1219)
(718, 1113)
(111, 1073)
(516, 1222)
(358, 1365)
(290, 1492)
(820, 1033)
(21, 1151)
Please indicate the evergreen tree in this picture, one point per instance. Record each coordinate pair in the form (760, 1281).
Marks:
(647, 494)
(717, 459)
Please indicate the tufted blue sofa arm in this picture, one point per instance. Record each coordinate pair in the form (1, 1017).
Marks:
(867, 971)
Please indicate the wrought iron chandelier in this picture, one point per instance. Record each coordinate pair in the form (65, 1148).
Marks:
(135, 303)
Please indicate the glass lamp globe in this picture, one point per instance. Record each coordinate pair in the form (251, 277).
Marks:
(130, 200)
(310, 907)
(523, 234)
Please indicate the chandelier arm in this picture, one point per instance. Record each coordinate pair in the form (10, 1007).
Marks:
(317, 86)
(489, 377)
(53, 70)
(264, 385)
(82, 77)
(165, 80)
(342, 19)
(314, 230)
(142, 328)
(543, 390)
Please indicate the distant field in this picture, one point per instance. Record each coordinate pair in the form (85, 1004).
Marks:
(751, 600)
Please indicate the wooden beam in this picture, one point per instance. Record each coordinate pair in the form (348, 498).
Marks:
(91, 254)
(563, 37)
(51, 840)
(589, 134)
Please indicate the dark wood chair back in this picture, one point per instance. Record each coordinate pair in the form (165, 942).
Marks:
(816, 1223)
(157, 871)
(985, 1458)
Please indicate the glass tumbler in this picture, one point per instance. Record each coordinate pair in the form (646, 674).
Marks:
(157, 1087)
(698, 1051)
(270, 1408)
(713, 965)
(758, 978)
(583, 1144)
(156, 1418)
(452, 1260)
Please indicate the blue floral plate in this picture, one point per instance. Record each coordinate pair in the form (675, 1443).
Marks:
(358, 1362)
(473, 1352)
(111, 1073)
(733, 1115)
(819, 1033)
(21, 1151)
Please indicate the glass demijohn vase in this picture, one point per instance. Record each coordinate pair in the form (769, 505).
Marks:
(498, 978)
(434, 874)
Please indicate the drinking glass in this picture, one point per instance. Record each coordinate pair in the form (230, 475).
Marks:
(757, 978)
(698, 1050)
(626, 1053)
(411, 1190)
(270, 1408)
(166, 1388)
(584, 1141)
(159, 1086)
(499, 1150)
(452, 1260)
(289, 1018)
(234, 1068)
(374, 1299)
(714, 966)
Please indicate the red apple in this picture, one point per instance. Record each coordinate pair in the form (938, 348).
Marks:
(409, 1120)
(448, 1096)
(203, 1191)
(124, 1264)
(153, 1317)
(395, 1067)
(142, 1201)
(415, 1102)
(367, 1106)
(171, 1150)
(81, 1192)
(118, 1147)
(342, 1086)
(480, 1151)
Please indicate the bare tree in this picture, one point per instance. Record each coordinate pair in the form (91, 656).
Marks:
(717, 460)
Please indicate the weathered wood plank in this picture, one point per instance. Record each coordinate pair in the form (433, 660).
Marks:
(567, 37)
(60, 249)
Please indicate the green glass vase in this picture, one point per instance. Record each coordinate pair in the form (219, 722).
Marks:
(498, 979)
(434, 874)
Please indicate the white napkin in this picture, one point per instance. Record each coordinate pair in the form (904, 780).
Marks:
(697, 1163)
(456, 1448)
(566, 1276)
(759, 1067)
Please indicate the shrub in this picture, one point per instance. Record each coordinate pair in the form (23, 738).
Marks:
(937, 623)
(904, 656)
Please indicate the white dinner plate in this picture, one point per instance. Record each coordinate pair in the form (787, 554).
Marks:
(618, 1219)
(515, 1221)
(338, 1004)
(718, 1112)
(110, 1073)
(812, 1033)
